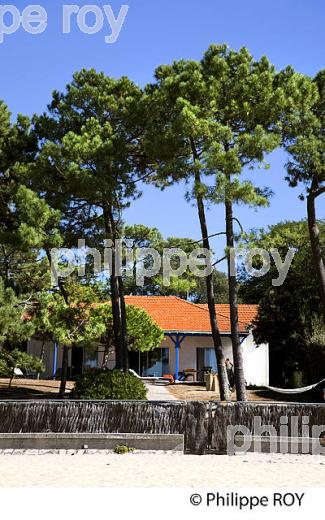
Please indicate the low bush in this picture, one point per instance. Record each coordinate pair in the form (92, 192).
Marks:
(110, 385)
(122, 449)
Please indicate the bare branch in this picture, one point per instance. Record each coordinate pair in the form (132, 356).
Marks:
(219, 261)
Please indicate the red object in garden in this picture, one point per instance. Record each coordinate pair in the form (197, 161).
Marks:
(170, 378)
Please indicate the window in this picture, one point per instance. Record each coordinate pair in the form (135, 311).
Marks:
(206, 358)
(90, 358)
(150, 364)
(155, 363)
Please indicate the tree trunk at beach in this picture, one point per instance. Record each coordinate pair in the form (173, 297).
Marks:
(64, 372)
(233, 301)
(217, 341)
(125, 351)
(117, 296)
(41, 356)
(316, 246)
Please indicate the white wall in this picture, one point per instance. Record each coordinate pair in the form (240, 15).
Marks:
(256, 359)
(256, 362)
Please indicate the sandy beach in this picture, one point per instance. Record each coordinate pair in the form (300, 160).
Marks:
(77, 469)
(151, 469)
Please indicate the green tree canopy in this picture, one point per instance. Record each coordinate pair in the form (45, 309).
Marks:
(27, 223)
(187, 285)
(92, 159)
(143, 332)
(304, 131)
(287, 314)
(14, 329)
(209, 122)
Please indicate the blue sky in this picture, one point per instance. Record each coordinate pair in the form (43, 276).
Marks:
(159, 31)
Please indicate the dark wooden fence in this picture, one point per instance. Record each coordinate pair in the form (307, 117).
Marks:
(294, 418)
(203, 424)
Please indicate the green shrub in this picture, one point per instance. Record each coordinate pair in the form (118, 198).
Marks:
(9, 360)
(121, 449)
(4, 369)
(109, 384)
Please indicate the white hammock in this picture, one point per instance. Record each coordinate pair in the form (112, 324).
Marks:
(291, 391)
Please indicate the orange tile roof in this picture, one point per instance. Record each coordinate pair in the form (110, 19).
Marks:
(176, 315)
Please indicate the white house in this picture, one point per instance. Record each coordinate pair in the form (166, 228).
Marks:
(187, 345)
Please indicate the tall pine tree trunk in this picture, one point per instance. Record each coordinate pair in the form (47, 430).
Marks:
(41, 357)
(117, 325)
(125, 351)
(114, 290)
(117, 295)
(65, 358)
(217, 341)
(233, 301)
(64, 372)
(316, 247)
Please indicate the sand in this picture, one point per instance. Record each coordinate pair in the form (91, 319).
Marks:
(143, 469)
